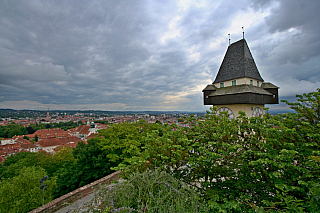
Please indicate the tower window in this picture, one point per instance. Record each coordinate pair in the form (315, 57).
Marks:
(221, 85)
(258, 84)
(251, 82)
(234, 82)
(207, 95)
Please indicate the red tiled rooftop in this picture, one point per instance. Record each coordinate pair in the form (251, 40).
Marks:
(58, 141)
(1, 159)
(83, 129)
(92, 136)
(5, 139)
(49, 133)
(28, 146)
(9, 148)
(21, 140)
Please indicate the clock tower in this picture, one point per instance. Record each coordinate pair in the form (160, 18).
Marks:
(239, 86)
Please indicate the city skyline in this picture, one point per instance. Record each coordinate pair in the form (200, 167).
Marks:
(148, 55)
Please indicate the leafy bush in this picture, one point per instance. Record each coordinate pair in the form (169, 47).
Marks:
(150, 191)
(90, 164)
(22, 193)
(268, 163)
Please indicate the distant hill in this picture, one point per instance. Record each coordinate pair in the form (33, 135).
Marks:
(102, 111)
(280, 111)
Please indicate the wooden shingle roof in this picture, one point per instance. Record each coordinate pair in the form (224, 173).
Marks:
(238, 63)
(267, 85)
(209, 87)
(240, 89)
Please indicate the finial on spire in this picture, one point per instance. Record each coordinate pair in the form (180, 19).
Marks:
(243, 32)
(229, 38)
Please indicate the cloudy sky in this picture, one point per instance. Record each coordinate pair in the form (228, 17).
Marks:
(148, 54)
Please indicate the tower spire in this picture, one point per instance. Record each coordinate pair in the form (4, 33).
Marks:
(229, 38)
(238, 63)
(243, 32)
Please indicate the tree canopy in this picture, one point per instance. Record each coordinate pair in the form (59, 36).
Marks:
(261, 164)
(22, 193)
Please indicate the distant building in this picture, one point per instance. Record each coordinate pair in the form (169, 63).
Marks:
(84, 131)
(5, 141)
(16, 145)
(239, 85)
(29, 147)
(49, 133)
(9, 149)
(50, 144)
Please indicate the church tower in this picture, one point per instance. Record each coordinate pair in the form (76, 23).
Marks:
(239, 86)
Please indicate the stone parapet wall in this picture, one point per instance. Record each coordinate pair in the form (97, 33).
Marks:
(76, 194)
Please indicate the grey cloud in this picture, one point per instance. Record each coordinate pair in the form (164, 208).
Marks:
(302, 16)
(126, 53)
(294, 13)
(287, 47)
(259, 4)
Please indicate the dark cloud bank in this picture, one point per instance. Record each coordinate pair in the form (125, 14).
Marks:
(147, 55)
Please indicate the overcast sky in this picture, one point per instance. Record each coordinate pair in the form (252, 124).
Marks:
(148, 55)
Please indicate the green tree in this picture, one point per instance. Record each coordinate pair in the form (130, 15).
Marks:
(22, 193)
(180, 120)
(13, 164)
(162, 149)
(213, 159)
(102, 154)
(102, 122)
(307, 107)
(30, 130)
(241, 165)
(52, 163)
(269, 163)
(66, 125)
(90, 164)
(142, 121)
(16, 129)
(6, 133)
(121, 141)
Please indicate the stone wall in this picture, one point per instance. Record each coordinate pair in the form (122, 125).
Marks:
(76, 194)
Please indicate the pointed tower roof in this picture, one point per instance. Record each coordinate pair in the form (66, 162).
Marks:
(238, 63)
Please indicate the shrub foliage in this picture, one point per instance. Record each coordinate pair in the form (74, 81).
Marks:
(150, 191)
(268, 163)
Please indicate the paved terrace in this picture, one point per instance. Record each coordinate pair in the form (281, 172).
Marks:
(75, 201)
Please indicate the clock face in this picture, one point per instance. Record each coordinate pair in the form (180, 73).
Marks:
(257, 112)
(228, 110)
